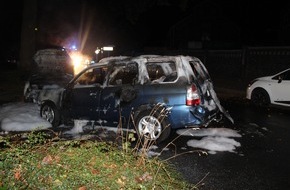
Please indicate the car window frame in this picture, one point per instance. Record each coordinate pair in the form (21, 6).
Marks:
(162, 78)
(284, 75)
(124, 67)
(74, 82)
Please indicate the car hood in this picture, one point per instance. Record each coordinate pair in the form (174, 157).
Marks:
(49, 61)
(41, 80)
(264, 78)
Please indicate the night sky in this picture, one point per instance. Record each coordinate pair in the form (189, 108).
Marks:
(132, 25)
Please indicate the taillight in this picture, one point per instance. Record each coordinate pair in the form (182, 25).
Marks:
(192, 97)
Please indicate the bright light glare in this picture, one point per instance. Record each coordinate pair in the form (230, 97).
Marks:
(73, 47)
(97, 51)
(79, 61)
(108, 48)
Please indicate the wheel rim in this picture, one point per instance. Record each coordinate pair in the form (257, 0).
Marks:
(149, 127)
(260, 99)
(47, 113)
(256, 98)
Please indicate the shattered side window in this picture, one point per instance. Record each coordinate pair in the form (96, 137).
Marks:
(124, 74)
(93, 76)
(161, 72)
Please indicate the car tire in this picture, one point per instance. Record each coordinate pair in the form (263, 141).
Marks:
(260, 97)
(49, 112)
(151, 127)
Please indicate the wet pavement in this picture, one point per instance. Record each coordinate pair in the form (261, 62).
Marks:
(261, 163)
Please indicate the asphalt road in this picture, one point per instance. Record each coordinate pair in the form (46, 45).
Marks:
(261, 163)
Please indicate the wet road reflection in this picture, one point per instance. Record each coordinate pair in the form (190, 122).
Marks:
(261, 162)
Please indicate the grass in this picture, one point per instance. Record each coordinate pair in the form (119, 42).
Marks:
(41, 162)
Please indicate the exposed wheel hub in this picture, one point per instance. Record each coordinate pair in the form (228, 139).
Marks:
(47, 114)
(149, 127)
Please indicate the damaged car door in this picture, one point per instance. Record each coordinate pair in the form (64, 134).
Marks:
(82, 97)
(119, 95)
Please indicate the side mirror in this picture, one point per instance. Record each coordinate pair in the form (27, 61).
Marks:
(279, 79)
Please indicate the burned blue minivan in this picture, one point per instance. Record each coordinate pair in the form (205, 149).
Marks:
(150, 94)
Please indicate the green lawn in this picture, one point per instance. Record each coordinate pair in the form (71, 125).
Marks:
(39, 162)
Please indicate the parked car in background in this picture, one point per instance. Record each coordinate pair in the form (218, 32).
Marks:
(52, 69)
(151, 94)
(270, 90)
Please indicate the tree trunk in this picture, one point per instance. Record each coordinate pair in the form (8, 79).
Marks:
(28, 34)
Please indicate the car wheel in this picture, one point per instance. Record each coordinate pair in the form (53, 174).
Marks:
(49, 112)
(260, 97)
(152, 127)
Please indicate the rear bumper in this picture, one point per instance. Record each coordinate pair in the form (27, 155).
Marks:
(188, 116)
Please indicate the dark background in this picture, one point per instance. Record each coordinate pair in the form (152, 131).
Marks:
(135, 25)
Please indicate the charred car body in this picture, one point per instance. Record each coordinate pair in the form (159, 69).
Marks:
(52, 69)
(153, 94)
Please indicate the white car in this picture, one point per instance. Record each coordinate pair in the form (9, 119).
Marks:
(274, 89)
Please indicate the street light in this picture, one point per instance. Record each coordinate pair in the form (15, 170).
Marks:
(97, 53)
(108, 48)
(102, 49)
